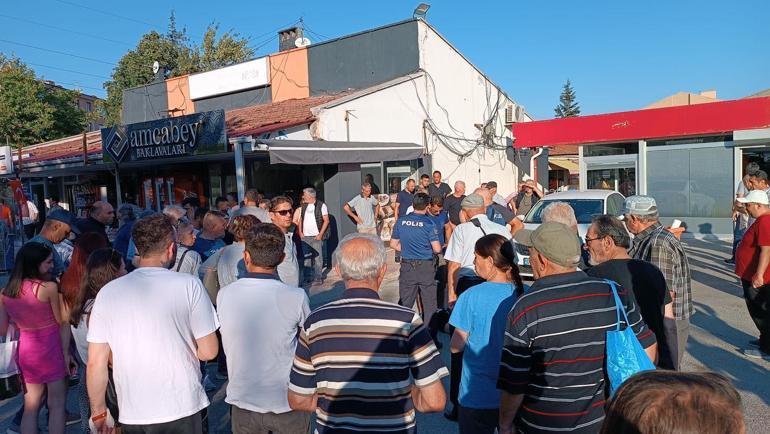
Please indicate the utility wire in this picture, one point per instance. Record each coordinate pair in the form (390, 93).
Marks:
(50, 26)
(110, 14)
(57, 52)
(68, 70)
(80, 85)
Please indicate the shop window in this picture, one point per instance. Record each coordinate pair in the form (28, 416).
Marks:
(610, 149)
(692, 182)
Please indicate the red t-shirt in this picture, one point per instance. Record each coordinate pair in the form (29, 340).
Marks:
(747, 254)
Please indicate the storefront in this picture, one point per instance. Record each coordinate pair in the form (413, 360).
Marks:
(689, 158)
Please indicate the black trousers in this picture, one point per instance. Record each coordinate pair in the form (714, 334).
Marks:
(187, 425)
(478, 421)
(417, 278)
(758, 304)
(456, 359)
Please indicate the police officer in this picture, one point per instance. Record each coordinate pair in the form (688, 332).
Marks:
(416, 237)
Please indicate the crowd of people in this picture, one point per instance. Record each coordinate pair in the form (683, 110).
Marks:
(140, 317)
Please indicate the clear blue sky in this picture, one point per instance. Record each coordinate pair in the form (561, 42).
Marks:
(619, 55)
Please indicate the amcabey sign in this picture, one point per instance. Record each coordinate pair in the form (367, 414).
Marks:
(199, 133)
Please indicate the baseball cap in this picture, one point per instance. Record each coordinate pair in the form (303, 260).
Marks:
(640, 205)
(491, 184)
(472, 200)
(64, 216)
(555, 241)
(755, 196)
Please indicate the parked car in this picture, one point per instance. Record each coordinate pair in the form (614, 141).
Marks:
(587, 204)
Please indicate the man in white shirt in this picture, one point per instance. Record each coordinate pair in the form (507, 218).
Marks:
(157, 324)
(30, 220)
(281, 212)
(261, 318)
(313, 228)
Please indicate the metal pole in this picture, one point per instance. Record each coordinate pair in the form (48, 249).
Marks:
(117, 186)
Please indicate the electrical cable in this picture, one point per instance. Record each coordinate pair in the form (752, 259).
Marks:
(64, 53)
(68, 70)
(50, 26)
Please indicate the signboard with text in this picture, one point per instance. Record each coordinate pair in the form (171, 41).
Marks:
(195, 134)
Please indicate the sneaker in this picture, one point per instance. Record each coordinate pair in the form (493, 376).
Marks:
(208, 385)
(730, 261)
(71, 418)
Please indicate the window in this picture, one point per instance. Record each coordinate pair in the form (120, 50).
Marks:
(610, 149)
(692, 182)
(585, 209)
(88, 106)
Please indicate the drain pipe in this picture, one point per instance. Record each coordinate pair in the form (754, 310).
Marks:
(533, 166)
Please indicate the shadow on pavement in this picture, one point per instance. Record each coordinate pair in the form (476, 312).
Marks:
(731, 363)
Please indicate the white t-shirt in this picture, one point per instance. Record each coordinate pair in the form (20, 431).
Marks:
(151, 318)
(309, 226)
(260, 318)
(463, 242)
(33, 214)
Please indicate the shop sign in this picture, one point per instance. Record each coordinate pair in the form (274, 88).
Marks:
(199, 133)
(241, 76)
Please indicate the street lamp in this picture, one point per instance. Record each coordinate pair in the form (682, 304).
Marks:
(420, 11)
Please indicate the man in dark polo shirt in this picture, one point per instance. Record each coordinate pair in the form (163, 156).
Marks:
(416, 237)
(404, 199)
(552, 365)
(437, 187)
(453, 201)
(363, 364)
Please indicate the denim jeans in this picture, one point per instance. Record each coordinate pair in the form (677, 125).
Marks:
(313, 255)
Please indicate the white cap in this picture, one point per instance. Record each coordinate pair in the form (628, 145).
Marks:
(755, 196)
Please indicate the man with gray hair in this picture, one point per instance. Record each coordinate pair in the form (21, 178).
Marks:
(654, 244)
(314, 229)
(607, 241)
(452, 203)
(174, 212)
(362, 363)
(366, 208)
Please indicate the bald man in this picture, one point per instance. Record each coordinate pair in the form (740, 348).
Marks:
(101, 215)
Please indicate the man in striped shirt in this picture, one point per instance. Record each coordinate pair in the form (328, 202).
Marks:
(362, 364)
(552, 365)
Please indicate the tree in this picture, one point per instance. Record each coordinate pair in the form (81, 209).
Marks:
(175, 51)
(568, 105)
(32, 111)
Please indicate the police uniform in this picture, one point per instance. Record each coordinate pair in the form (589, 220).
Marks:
(416, 232)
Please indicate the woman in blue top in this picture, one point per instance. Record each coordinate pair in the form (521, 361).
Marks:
(479, 317)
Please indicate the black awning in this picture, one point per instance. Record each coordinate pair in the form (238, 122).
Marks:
(325, 152)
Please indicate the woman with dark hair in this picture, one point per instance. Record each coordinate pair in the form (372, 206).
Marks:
(675, 402)
(33, 303)
(85, 244)
(478, 319)
(103, 266)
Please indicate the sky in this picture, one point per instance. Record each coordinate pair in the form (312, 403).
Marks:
(618, 55)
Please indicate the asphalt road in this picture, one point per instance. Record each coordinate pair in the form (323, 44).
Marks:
(721, 328)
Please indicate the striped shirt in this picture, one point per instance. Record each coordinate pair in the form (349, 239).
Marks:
(361, 356)
(660, 247)
(554, 350)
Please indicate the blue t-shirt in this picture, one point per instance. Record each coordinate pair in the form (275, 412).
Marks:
(481, 311)
(404, 200)
(415, 231)
(58, 263)
(440, 221)
(206, 248)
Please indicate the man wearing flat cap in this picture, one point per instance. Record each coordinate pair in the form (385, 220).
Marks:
(552, 364)
(655, 244)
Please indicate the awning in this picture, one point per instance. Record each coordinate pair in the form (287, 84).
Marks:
(327, 152)
(571, 167)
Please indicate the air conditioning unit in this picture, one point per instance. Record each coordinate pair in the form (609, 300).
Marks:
(513, 114)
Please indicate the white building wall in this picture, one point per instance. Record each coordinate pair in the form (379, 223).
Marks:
(438, 108)
(459, 96)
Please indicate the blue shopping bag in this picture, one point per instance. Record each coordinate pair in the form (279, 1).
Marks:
(625, 355)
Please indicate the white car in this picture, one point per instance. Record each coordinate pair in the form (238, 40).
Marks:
(586, 204)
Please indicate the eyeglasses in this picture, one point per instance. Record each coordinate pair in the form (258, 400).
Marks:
(283, 212)
(588, 240)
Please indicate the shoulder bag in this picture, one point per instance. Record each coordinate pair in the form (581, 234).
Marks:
(10, 379)
(625, 355)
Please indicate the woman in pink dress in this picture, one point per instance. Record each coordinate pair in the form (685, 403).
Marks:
(33, 304)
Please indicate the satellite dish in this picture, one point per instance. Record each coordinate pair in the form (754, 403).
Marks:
(155, 67)
(302, 42)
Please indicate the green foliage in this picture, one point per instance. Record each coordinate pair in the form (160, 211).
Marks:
(174, 51)
(32, 111)
(568, 105)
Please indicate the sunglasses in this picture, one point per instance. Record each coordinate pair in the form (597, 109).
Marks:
(283, 212)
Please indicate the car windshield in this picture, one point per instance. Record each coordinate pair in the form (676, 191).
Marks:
(585, 209)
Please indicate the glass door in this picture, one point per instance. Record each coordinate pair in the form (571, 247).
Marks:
(621, 179)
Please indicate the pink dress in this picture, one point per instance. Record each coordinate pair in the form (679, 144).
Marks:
(41, 359)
